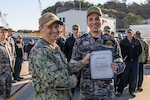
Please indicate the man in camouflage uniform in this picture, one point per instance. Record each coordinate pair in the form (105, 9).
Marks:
(11, 46)
(48, 65)
(143, 59)
(96, 89)
(5, 67)
(69, 48)
(107, 30)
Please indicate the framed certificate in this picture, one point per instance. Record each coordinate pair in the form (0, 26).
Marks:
(100, 64)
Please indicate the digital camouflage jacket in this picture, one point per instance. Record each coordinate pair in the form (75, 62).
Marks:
(92, 89)
(51, 72)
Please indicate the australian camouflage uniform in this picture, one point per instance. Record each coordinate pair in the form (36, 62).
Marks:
(51, 72)
(5, 72)
(91, 89)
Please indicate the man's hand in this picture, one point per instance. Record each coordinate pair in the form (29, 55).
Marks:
(74, 80)
(145, 61)
(114, 67)
(86, 59)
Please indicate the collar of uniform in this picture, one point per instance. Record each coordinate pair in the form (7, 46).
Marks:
(90, 36)
(51, 46)
(2, 43)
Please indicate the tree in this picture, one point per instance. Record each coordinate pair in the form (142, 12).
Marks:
(50, 9)
(133, 19)
(125, 14)
(116, 5)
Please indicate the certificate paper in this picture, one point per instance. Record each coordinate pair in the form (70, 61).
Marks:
(100, 64)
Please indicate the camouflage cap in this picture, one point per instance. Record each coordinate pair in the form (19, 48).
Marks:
(94, 9)
(138, 33)
(3, 28)
(75, 26)
(129, 30)
(10, 29)
(120, 35)
(48, 19)
(19, 36)
(106, 28)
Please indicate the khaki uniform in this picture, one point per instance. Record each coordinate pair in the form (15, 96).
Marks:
(5, 72)
(143, 58)
(145, 52)
(11, 46)
(51, 72)
(91, 89)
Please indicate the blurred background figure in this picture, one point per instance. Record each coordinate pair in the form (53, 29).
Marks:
(143, 58)
(117, 77)
(69, 48)
(107, 30)
(61, 40)
(11, 43)
(131, 48)
(112, 33)
(70, 34)
(120, 37)
(19, 46)
(29, 46)
(71, 40)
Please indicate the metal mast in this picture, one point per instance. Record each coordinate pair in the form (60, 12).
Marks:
(40, 6)
(2, 19)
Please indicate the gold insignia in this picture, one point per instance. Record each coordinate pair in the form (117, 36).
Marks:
(109, 42)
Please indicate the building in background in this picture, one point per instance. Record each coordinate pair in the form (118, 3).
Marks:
(71, 16)
(144, 29)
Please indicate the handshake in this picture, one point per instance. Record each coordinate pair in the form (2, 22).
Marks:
(74, 78)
